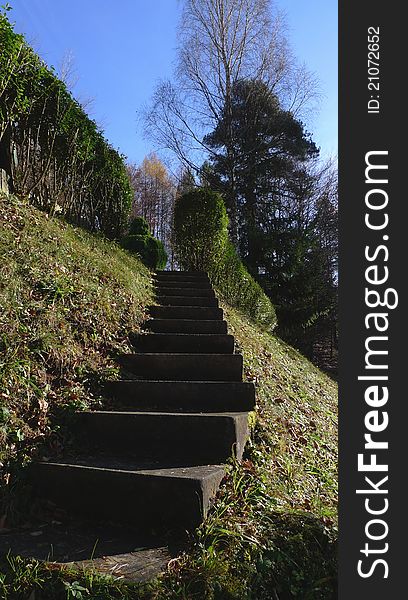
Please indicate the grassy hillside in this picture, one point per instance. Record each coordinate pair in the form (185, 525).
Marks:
(67, 302)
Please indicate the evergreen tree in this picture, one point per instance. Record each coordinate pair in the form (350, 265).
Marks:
(283, 217)
(270, 144)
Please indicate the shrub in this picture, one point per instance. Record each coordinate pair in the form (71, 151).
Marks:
(201, 243)
(141, 242)
(139, 226)
(200, 229)
(240, 289)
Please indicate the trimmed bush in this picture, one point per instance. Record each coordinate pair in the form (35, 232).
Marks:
(139, 226)
(201, 243)
(139, 241)
(200, 229)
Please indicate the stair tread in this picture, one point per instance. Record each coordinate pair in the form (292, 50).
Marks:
(189, 382)
(177, 274)
(182, 354)
(184, 284)
(183, 309)
(175, 271)
(183, 342)
(180, 312)
(180, 366)
(185, 326)
(182, 415)
(128, 465)
(185, 335)
(187, 301)
(163, 287)
(187, 320)
(181, 396)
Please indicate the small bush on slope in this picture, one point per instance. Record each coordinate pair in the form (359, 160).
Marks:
(140, 241)
(67, 301)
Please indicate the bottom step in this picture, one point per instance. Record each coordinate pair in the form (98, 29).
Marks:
(167, 498)
(75, 543)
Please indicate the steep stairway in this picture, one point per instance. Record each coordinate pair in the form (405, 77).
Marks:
(156, 461)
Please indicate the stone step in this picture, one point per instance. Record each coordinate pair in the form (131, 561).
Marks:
(155, 462)
(164, 290)
(185, 326)
(201, 313)
(187, 301)
(149, 497)
(182, 274)
(201, 343)
(201, 284)
(70, 543)
(179, 396)
(181, 439)
(183, 367)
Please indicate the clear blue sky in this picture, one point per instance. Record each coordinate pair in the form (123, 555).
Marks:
(122, 48)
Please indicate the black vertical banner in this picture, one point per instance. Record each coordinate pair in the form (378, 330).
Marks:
(373, 436)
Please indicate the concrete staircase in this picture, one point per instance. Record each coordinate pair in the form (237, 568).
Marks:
(156, 461)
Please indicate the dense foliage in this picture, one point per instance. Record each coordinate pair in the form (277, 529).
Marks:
(241, 290)
(51, 151)
(139, 241)
(201, 243)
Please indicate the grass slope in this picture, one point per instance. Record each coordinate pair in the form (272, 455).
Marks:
(67, 301)
(272, 532)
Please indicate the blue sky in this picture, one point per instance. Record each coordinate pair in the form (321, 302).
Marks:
(121, 48)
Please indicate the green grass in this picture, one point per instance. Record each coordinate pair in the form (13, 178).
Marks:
(295, 433)
(68, 300)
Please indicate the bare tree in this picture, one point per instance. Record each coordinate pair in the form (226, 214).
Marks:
(67, 70)
(221, 42)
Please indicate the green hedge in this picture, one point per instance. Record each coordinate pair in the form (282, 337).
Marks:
(240, 289)
(200, 229)
(51, 151)
(201, 243)
(139, 226)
